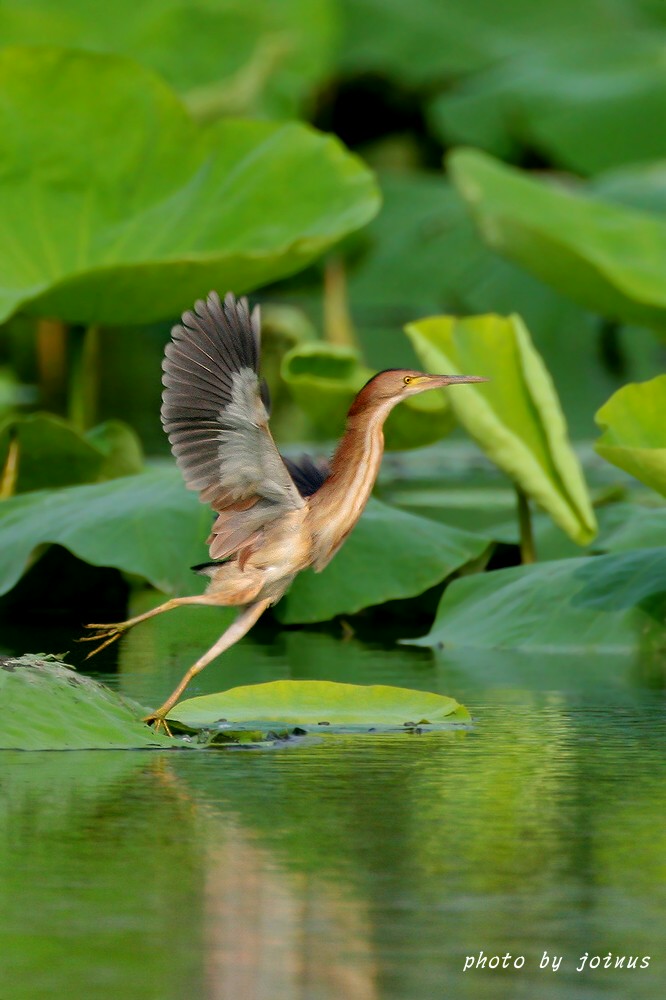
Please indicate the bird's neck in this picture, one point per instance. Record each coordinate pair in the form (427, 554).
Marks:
(338, 504)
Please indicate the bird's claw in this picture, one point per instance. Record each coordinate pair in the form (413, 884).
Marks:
(108, 633)
(158, 722)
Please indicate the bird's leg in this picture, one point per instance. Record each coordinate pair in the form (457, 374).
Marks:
(109, 633)
(236, 631)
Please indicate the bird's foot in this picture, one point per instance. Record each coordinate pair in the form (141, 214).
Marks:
(158, 721)
(106, 633)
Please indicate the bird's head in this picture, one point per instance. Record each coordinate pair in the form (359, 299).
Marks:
(391, 386)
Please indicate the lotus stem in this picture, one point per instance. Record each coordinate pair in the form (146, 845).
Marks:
(51, 340)
(527, 547)
(10, 468)
(84, 376)
(338, 326)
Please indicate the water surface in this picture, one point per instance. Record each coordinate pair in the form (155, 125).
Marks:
(368, 867)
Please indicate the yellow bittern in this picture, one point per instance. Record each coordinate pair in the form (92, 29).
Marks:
(275, 516)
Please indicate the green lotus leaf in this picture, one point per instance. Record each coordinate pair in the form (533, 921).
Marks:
(222, 55)
(48, 706)
(634, 431)
(125, 210)
(516, 417)
(428, 42)
(639, 185)
(324, 379)
(626, 526)
(151, 526)
(422, 256)
(389, 555)
(610, 604)
(52, 453)
(319, 703)
(586, 103)
(606, 257)
(148, 524)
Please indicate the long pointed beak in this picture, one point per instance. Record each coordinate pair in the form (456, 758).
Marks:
(440, 380)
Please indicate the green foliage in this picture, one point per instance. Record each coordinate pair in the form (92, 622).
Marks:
(429, 41)
(147, 211)
(124, 209)
(221, 55)
(48, 706)
(516, 417)
(634, 431)
(151, 526)
(580, 82)
(608, 258)
(608, 604)
(316, 703)
(52, 453)
(584, 104)
(421, 255)
(147, 524)
(629, 526)
(324, 379)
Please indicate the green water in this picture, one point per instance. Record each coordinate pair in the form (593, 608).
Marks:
(347, 867)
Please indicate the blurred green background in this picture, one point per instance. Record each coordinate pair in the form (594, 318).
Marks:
(355, 166)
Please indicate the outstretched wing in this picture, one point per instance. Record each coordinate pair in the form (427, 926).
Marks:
(217, 423)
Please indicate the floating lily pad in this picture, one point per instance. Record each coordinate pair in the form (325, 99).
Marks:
(516, 417)
(324, 706)
(634, 431)
(126, 211)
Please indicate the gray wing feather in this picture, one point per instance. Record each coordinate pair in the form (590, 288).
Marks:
(216, 420)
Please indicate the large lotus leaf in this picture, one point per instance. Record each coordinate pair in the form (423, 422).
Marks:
(626, 526)
(423, 256)
(48, 706)
(600, 604)
(314, 703)
(53, 453)
(608, 258)
(641, 185)
(516, 417)
(634, 431)
(325, 378)
(590, 104)
(124, 210)
(147, 524)
(223, 55)
(150, 525)
(389, 555)
(429, 41)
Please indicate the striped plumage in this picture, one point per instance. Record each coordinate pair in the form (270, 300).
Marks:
(275, 516)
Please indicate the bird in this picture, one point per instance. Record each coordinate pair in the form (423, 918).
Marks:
(274, 516)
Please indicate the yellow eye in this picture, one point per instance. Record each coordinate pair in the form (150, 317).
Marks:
(407, 379)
